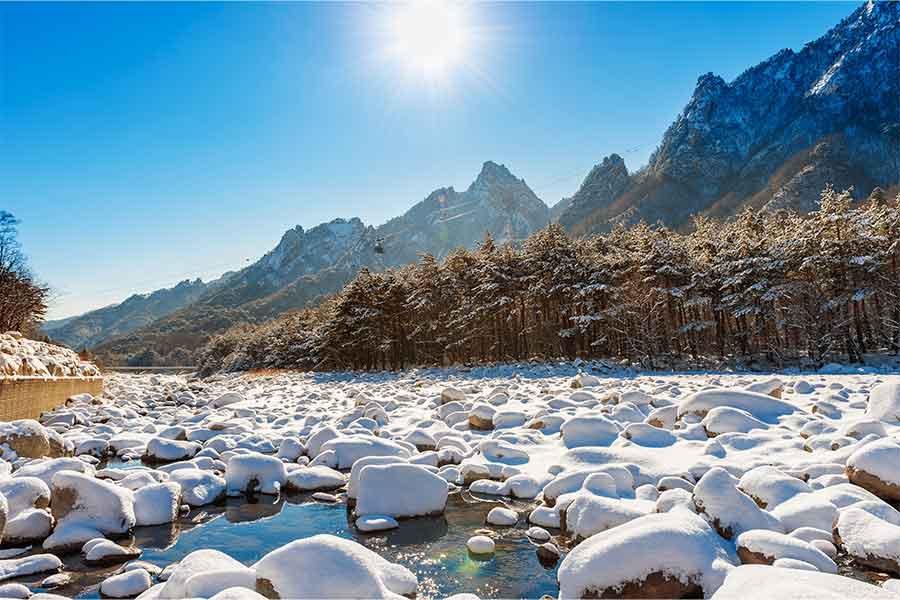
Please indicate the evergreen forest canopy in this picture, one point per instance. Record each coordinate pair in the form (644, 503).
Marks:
(781, 287)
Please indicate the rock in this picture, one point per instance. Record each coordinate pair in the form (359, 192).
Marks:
(450, 394)
(126, 585)
(196, 563)
(760, 546)
(502, 516)
(198, 487)
(84, 500)
(14, 590)
(30, 565)
(538, 534)
(876, 468)
(480, 544)
(884, 402)
(370, 523)
(481, 417)
(773, 582)
(325, 566)
(307, 479)
(26, 437)
(671, 555)
(164, 450)
(157, 504)
(731, 511)
(769, 486)
(385, 490)
(250, 473)
(548, 554)
(28, 526)
(100, 552)
(872, 542)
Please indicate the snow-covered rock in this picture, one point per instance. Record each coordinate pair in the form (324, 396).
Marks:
(325, 566)
(871, 541)
(730, 510)
(660, 555)
(400, 490)
(761, 546)
(480, 544)
(884, 402)
(126, 585)
(79, 499)
(198, 487)
(252, 473)
(309, 479)
(765, 581)
(157, 503)
(876, 467)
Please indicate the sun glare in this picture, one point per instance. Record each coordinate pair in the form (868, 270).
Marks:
(429, 36)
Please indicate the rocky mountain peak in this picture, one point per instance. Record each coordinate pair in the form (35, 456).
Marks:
(603, 184)
(494, 174)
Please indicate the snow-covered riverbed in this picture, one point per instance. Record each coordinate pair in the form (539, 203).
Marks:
(356, 485)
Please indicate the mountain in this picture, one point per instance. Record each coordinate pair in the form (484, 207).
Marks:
(772, 138)
(96, 326)
(307, 265)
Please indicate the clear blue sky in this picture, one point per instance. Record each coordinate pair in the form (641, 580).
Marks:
(141, 144)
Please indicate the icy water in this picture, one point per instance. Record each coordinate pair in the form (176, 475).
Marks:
(433, 548)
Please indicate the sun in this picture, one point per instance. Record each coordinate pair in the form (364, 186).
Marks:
(428, 37)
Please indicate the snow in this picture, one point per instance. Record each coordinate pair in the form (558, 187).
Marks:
(596, 460)
(502, 516)
(884, 402)
(83, 500)
(400, 490)
(369, 523)
(157, 503)
(194, 564)
(161, 449)
(307, 479)
(126, 585)
(198, 487)
(869, 539)
(760, 406)
(102, 552)
(732, 511)
(37, 563)
(774, 545)
(880, 459)
(209, 583)
(325, 566)
(794, 584)
(590, 431)
(678, 544)
(480, 544)
(249, 473)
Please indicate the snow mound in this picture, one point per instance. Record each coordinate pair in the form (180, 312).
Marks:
(157, 503)
(84, 500)
(760, 546)
(871, 541)
(20, 567)
(310, 479)
(763, 581)
(673, 554)
(325, 566)
(196, 563)
(760, 406)
(198, 487)
(876, 467)
(730, 510)
(884, 402)
(400, 490)
(252, 473)
(126, 585)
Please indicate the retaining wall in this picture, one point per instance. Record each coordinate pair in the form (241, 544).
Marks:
(28, 397)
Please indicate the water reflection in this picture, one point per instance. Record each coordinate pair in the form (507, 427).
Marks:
(434, 547)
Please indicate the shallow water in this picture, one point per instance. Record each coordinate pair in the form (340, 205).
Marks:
(434, 548)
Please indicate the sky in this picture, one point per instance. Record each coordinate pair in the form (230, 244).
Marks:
(142, 144)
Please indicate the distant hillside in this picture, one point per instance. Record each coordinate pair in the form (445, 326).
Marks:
(772, 138)
(97, 326)
(307, 265)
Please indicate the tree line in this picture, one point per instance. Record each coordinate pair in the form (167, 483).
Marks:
(23, 301)
(783, 288)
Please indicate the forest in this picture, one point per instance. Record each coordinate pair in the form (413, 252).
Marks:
(762, 288)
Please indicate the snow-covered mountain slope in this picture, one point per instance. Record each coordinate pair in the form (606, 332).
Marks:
(309, 264)
(138, 310)
(774, 136)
